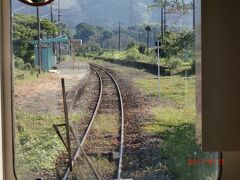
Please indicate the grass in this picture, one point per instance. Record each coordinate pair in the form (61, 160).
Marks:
(130, 54)
(103, 165)
(104, 125)
(177, 127)
(24, 76)
(167, 119)
(174, 121)
(37, 144)
(75, 117)
(179, 90)
(107, 124)
(121, 55)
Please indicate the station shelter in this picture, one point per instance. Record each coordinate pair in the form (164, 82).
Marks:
(48, 59)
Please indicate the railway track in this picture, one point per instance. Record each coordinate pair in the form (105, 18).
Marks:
(110, 102)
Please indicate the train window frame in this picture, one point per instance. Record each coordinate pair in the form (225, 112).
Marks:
(7, 170)
(1, 111)
(4, 90)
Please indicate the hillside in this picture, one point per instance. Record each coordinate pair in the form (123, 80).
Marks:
(104, 12)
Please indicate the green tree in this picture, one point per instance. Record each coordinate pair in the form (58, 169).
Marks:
(85, 31)
(131, 44)
(24, 31)
(178, 44)
(142, 48)
(105, 36)
(172, 5)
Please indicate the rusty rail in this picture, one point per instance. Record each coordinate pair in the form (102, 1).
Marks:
(122, 120)
(80, 149)
(76, 155)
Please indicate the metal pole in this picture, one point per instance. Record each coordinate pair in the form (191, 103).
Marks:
(73, 53)
(164, 19)
(194, 15)
(39, 43)
(51, 12)
(186, 86)
(162, 24)
(119, 37)
(158, 73)
(52, 20)
(147, 42)
(67, 124)
(59, 20)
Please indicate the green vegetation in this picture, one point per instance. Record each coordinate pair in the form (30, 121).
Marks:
(103, 165)
(132, 54)
(174, 121)
(176, 53)
(37, 144)
(180, 91)
(178, 44)
(104, 127)
(25, 76)
(108, 38)
(25, 31)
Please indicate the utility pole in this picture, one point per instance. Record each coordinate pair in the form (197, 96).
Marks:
(162, 24)
(59, 11)
(147, 42)
(148, 29)
(51, 12)
(52, 20)
(194, 15)
(164, 19)
(158, 52)
(119, 37)
(39, 42)
(59, 20)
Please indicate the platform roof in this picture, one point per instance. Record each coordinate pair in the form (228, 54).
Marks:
(62, 39)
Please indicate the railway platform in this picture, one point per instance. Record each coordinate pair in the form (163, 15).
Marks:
(44, 96)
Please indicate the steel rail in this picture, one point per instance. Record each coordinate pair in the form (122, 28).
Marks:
(76, 155)
(122, 120)
(93, 117)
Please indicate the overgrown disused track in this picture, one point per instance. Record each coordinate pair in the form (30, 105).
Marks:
(110, 106)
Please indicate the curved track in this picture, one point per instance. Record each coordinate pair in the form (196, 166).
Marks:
(100, 73)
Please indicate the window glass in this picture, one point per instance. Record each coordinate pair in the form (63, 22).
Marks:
(68, 53)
